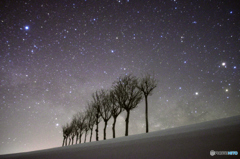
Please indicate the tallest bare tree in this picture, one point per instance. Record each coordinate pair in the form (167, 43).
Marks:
(146, 85)
(128, 96)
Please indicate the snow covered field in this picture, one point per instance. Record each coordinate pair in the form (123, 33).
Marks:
(192, 141)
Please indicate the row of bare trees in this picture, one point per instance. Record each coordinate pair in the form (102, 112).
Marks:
(124, 95)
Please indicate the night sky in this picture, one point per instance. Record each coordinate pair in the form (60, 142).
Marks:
(55, 54)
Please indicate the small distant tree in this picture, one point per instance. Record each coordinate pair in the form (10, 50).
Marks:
(105, 109)
(64, 128)
(69, 136)
(146, 85)
(80, 124)
(128, 96)
(74, 129)
(86, 127)
(116, 109)
(97, 105)
(91, 118)
(68, 132)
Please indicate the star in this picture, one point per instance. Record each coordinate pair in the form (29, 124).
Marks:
(26, 27)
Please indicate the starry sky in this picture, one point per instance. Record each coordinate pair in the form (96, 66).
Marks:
(55, 54)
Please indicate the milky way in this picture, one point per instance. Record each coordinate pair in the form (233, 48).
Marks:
(55, 54)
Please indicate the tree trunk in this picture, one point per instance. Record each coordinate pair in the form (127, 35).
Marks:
(85, 136)
(96, 133)
(63, 141)
(69, 141)
(113, 126)
(104, 130)
(72, 140)
(90, 136)
(127, 121)
(80, 137)
(77, 138)
(66, 141)
(146, 115)
(97, 127)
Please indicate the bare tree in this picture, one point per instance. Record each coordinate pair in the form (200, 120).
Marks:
(68, 132)
(96, 105)
(64, 128)
(74, 129)
(146, 85)
(91, 118)
(86, 127)
(128, 96)
(116, 109)
(105, 109)
(80, 124)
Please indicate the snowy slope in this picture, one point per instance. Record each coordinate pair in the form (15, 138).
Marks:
(192, 141)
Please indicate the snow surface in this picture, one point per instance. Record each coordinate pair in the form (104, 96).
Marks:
(191, 141)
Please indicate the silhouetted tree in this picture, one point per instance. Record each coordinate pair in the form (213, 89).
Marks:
(115, 109)
(86, 127)
(96, 105)
(67, 133)
(64, 128)
(70, 133)
(91, 118)
(74, 129)
(80, 124)
(128, 96)
(146, 85)
(105, 109)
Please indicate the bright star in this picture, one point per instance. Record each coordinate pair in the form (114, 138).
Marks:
(26, 27)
